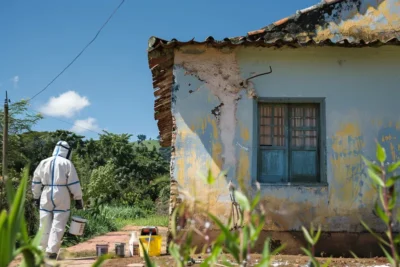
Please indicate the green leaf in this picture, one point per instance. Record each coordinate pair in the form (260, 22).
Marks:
(380, 239)
(328, 261)
(221, 226)
(392, 180)
(375, 178)
(372, 166)
(316, 237)
(394, 166)
(397, 239)
(36, 240)
(380, 153)
(353, 254)
(308, 253)
(102, 259)
(29, 256)
(255, 201)
(266, 251)
(278, 249)
(3, 219)
(174, 251)
(242, 200)
(213, 257)
(149, 263)
(387, 255)
(9, 192)
(381, 213)
(307, 236)
(5, 245)
(393, 201)
(210, 178)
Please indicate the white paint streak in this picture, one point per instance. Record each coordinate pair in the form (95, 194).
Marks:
(242, 147)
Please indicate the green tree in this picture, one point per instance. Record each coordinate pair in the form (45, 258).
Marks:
(141, 138)
(102, 183)
(20, 121)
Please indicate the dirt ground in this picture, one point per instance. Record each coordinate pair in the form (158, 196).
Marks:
(281, 260)
(87, 251)
(89, 247)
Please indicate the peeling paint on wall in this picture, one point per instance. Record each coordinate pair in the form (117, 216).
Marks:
(359, 18)
(220, 73)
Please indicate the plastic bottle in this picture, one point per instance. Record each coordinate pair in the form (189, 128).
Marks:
(134, 245)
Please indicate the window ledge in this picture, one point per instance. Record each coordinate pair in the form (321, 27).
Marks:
(324, 184)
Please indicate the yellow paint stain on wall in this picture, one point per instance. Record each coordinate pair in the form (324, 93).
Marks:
(244, 133)
(347, 166)
(216, 154)
(180, 162)
(393, 152)
(243, 170)
(214, 125)
(195, 160)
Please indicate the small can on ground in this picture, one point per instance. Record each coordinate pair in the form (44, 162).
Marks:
(120, 249)
(101, 249)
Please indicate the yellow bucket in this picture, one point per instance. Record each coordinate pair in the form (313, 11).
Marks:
(155, 245)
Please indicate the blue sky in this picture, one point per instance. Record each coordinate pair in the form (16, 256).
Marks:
(110, 85)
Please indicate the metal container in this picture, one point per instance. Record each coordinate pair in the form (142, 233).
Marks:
(101, 250)
(77, 226)
(120, 249)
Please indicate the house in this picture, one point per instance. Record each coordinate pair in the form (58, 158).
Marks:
(298, 131)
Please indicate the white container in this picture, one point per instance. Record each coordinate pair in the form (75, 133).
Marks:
(134, 245)
(77, 226)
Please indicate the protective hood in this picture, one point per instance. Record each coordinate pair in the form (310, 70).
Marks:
(62, 149)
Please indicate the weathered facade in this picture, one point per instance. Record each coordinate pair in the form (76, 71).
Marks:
(299, 131)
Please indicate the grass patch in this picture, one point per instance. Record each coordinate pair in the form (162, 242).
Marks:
(152, 220)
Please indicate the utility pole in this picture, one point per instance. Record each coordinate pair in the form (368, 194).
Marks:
(5, 138)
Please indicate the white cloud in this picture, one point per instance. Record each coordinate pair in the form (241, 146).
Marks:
(65, 105)
(15, 81)
(81, 126)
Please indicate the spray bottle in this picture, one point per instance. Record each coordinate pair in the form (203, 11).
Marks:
(134, 245)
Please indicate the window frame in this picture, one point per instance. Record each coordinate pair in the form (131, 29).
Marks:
(321, 143)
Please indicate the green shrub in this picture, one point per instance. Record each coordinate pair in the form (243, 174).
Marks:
(102, 182)
(384, 180)
(125, 212)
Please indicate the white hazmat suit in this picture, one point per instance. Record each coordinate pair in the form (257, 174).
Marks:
(54, 180)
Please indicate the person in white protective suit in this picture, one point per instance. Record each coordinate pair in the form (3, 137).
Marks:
(54, 180)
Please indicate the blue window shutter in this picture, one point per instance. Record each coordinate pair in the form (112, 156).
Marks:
(303, 121)
(273, 154)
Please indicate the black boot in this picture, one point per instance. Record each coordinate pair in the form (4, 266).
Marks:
(51, 256)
